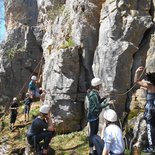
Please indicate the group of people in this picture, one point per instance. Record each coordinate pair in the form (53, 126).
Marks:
(32, 93)
(111, 139)
(42, 128)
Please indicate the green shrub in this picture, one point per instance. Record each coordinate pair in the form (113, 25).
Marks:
(69, 43)
(12, 52)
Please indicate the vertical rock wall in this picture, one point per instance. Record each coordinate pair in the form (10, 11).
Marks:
(21, 51)
(79, 40)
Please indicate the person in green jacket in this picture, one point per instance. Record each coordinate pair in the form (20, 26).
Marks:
(96, 104)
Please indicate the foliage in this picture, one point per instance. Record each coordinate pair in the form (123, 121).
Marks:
(69, 43)
(133, 113)
(12, 52)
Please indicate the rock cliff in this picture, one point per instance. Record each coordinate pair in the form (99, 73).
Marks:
(72, 41)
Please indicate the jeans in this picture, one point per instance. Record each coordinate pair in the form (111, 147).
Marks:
(149, 116)
(93, 130)
(98, 143)
(46, 136)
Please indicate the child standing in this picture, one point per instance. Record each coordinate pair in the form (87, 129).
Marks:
(28, 100)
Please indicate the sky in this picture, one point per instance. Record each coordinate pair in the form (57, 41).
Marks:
(2, 21)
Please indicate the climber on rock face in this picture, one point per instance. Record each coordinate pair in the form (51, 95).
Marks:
(149, 85)
(41, 128)
(32, 87)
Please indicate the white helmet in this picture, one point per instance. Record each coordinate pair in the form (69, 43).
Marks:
(27, 94)
(110, 115)
(44, 109)
(34, 78)
(96, 82)
(15, 99)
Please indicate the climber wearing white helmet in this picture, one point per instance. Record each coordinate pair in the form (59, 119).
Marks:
(96, 104)
(32, 87)
(112, 142)
(41, 128)
(13, 114)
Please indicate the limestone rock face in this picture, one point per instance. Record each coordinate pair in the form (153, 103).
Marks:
(61, 81)
(77, 40)
(21, 51)
(122, 26)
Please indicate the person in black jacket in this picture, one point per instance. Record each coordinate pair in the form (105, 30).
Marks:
(13, 114)
(41, 128)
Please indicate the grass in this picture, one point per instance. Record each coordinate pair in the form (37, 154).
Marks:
(75, 143)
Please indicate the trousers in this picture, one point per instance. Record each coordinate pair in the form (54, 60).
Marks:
(36, 139)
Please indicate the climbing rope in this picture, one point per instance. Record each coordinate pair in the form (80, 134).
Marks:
(120, 123)
(122, 94)
(39, 63)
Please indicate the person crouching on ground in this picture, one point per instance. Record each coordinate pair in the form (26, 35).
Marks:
(13, 114)
(41, 128)
(96, 104)
(112, 142)
(27, 101)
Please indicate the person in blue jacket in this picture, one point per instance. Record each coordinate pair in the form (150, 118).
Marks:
(33, 89)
